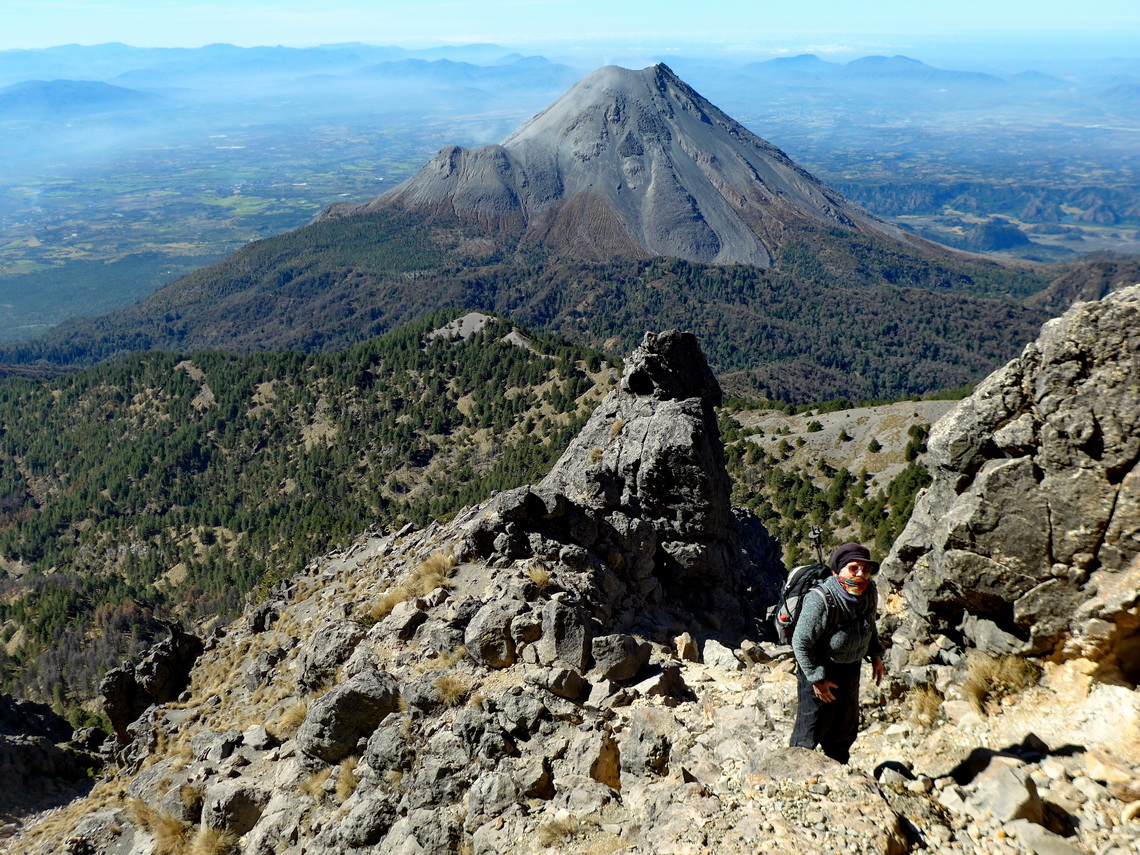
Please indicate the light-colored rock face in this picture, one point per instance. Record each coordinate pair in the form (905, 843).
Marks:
(632, 163)
(1028, 539)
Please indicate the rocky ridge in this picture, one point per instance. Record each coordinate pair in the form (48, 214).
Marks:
(1028, 539)
(550, 672)
(631, 164)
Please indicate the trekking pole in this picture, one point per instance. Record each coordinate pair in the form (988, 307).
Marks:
(816, 534)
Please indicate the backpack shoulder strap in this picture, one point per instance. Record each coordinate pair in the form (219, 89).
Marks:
(830, 606)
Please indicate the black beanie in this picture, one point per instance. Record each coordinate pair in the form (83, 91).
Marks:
(851, 552)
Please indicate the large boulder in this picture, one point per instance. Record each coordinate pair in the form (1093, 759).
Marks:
(1030, 531)
(345, 715)
(329, 647)
(233, 805)
(641, 499)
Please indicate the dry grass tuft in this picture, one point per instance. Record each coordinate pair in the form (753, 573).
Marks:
(346, 781)
(388, 601)
(434, 572)
(556, 831)
(293, 717)
(183, 753)
(445, 659)
(452, 689)
(989, 679)
(314, 785)
(191, 796)
(924, 702)
(595, 455)
(615, 430)
(920, 656)
(393, 777)
(213, 841)
(539, 575)
(171, 834)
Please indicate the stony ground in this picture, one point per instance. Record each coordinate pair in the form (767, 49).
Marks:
(575, 667)
(728, 785)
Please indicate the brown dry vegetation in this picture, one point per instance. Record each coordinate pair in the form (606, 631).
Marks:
(452, 689)
(433, 572)
(989, 679)
(314, 785)
(924, 702)
(539, 575)
(346, 779)
(557, 831)
(212, 841)
(293, 717)
(171, 835)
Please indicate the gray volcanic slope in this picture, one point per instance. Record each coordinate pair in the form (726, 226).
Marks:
(633, 164)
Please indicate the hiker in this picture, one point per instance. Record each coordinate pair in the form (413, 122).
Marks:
(834, 633)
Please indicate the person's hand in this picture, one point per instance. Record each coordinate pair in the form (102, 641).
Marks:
(823, 690)
(878, 670)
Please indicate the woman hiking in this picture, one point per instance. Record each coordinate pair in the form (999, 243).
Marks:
(835, 632)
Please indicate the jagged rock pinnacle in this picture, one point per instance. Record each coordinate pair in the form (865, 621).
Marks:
(640, 499)
(670, 366)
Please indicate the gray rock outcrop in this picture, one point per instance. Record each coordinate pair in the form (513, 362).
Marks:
(1028, 539)
(38, 755)
(640, 501)
(158, 678)
(558, 689)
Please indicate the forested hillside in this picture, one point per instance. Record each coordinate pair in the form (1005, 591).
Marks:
(160, 486)
(844, 315)
(810, 504)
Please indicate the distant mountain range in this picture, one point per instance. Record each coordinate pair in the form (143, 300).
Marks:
(108, 61)
(44, 100)
(895, 68)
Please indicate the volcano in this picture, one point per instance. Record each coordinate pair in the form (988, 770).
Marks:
(631, 164)
(631, 203)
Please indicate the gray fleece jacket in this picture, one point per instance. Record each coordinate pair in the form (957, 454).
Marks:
(853, 632)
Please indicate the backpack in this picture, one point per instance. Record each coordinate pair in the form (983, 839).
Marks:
(800, 580)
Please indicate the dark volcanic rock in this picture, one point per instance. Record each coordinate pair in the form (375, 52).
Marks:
(351, 711)
(642, 497)
(159, 678)
(1031, 528)
(330, 647)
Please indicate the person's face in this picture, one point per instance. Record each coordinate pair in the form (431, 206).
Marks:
(855, 570)
(854, 576)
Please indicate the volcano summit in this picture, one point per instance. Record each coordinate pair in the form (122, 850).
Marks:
(631, 164)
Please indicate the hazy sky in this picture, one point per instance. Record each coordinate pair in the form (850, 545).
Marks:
(731, 26)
